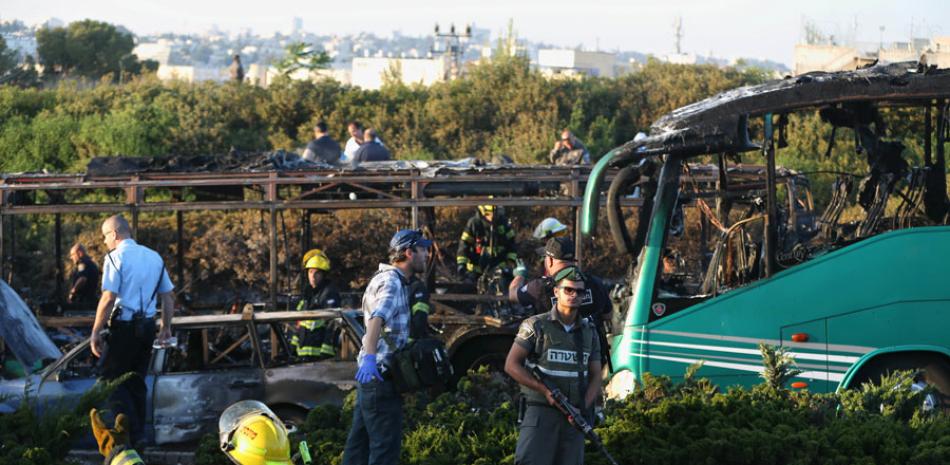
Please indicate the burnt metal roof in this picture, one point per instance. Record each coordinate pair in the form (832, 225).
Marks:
(719, 123)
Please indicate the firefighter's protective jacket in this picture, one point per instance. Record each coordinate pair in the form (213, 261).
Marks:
(485, 244)
(316, 338)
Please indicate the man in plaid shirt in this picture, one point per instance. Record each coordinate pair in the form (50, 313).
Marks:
(376, 434)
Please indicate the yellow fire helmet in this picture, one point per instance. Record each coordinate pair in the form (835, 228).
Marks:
(486, 209)
(251, 434)
(315, 258)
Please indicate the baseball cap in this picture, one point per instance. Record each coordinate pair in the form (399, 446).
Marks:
(408, 238)
(560, 248)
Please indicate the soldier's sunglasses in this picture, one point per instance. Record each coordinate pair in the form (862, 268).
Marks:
(572, 290)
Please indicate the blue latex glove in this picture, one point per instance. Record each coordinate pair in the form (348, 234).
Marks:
(521, 269)
(368, 371)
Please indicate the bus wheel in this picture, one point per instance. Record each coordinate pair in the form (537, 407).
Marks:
(490, 352)
(933, 370)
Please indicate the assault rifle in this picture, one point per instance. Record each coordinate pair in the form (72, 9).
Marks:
(574, 415)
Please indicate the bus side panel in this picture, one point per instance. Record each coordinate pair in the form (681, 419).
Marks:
(898, 270)
(894, 324)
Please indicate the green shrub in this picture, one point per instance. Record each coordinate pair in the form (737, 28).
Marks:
(42, 435)
(665, 423)
(500, 107)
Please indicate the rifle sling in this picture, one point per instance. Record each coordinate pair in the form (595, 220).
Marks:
(578, 334)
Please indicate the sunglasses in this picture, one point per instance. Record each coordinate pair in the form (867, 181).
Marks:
(572, 290)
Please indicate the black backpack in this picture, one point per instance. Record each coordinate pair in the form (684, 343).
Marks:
(421, 364)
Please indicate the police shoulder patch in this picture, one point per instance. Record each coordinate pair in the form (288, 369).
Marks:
(526, 330)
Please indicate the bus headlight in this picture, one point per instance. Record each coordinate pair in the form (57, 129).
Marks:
(621, 385)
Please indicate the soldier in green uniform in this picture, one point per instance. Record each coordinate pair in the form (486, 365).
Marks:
(565, 348)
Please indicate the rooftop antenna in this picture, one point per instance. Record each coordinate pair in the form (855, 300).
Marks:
(678, 28)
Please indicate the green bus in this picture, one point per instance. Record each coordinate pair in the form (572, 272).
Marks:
(861, 289)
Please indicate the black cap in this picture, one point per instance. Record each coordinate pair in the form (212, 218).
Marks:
(560, 248)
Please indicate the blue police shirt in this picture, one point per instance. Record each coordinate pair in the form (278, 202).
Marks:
(131, 272)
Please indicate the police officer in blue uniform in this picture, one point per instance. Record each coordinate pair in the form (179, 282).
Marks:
(84, 280)
(134, 279)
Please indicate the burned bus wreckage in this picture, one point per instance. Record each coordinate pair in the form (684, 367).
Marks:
(723, 254)
(247, 347)
(849, 294)
(477, 326)
(275, 183)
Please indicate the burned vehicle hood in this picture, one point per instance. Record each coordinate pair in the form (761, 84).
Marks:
(21, 331)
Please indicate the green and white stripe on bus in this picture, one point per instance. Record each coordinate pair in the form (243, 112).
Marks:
(742, 353)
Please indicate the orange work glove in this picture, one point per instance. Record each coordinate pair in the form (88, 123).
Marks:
(109, 438)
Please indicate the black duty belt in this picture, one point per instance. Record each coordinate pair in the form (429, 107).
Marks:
(138, 326)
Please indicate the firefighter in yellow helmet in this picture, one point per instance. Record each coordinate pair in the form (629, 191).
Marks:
(487, 241)
(317, 338)
(249, 433)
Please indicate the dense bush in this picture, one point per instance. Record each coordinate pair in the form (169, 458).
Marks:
(659, 423)
(665, 423)
(502, 107)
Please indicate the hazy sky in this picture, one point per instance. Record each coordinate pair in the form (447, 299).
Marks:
(733, 28)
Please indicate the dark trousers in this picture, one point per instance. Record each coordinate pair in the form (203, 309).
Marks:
(547, 438)
(376, 435)
(129, 350)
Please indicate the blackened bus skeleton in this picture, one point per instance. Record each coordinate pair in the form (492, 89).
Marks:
(850, 300)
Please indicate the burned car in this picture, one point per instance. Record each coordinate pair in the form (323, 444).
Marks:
(220, 359)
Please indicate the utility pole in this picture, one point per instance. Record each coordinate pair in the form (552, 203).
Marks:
(452, 45)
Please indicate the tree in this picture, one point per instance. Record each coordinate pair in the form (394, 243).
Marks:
(299, 55)
(11, 72)
(90, 49)
(507, 45)
(8, 57)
